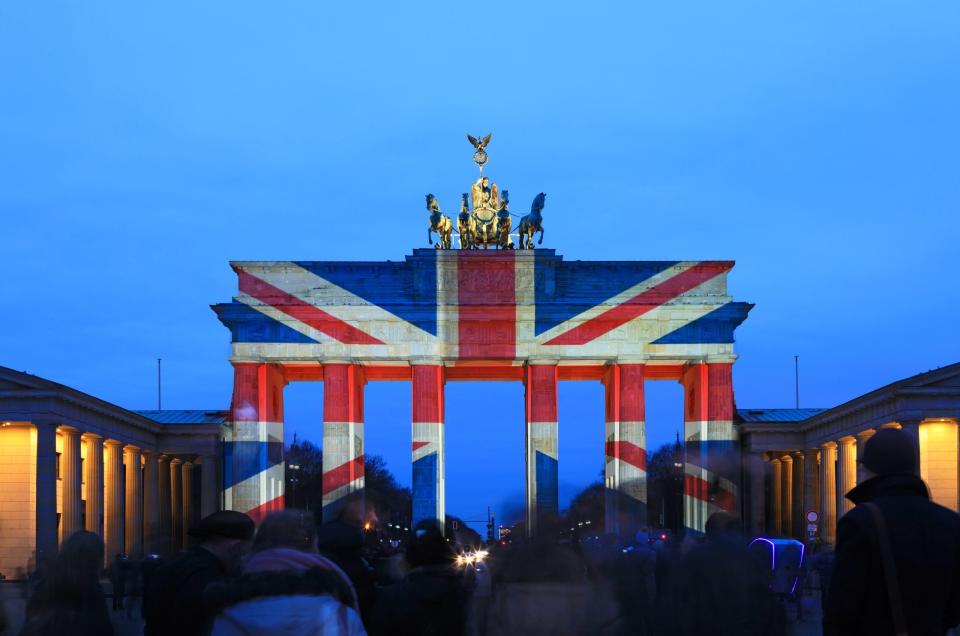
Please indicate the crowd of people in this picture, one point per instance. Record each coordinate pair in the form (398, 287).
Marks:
(895, 570)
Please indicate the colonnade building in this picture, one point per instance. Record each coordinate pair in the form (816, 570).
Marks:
(798, 461)
(70, 461)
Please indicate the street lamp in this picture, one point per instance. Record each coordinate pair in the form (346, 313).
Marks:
(294, 478)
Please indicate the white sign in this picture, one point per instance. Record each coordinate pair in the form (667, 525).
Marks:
(812, 516)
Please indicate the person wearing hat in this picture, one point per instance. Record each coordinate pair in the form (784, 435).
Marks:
(897, 564)
(174, 601)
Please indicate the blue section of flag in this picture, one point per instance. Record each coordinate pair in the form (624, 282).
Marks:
(425, 488)
(547, 488)
(714, 327)
(567, 289)
(242, 460)
(407, 290)
(249, 325)
(706, 453)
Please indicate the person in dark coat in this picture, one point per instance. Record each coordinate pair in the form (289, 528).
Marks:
(432, 598)
(117, 573)
(341, 541)
(174, 602)
(69, 600)
(924, 538)
(720, 589)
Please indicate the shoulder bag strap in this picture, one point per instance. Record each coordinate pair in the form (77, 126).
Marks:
(889, 569)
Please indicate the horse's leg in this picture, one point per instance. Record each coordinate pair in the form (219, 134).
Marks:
(541, 236)
(429, 238)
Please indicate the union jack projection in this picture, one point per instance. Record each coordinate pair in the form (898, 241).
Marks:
(442, 315)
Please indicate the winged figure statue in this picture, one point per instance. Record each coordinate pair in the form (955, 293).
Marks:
(481, 143)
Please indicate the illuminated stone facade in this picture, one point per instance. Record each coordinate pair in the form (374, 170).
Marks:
(804, 460)
(69, 461)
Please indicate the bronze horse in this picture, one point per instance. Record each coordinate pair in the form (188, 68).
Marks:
(532, 223)
(439, 223)
(465, 225)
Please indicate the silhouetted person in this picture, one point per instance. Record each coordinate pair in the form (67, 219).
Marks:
(924, 539)
(174, 602)
(287, 587)
(719, 588)
(432, 598)
(341, 541)
(117, 573)
(70, 600)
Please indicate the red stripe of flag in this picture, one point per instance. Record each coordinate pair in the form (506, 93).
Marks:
(628, 452)
(343, 474)
(303, 311)
(642, 303)
(487, 305)
(700, 489)
(261, 511)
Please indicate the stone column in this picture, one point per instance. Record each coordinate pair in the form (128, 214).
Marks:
(163, 486)
(540, 382)
(799, 472)
(862, 438)
(776, 495)
(625, 470)
(187, 499)
(133, 522)
(756, 465)
(46, 494)
(811, 483)
(429, 501)
(209, 486)
(786, 496)
(912, 428)
(113, 498)
(712, 466)
(151, 503)
(71, 516)
(256, 432)
(176, 505)
(828, 493)
(93, 466)
(846, 473)
(343, 458)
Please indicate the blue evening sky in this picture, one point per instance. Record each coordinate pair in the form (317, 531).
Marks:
(143, 146)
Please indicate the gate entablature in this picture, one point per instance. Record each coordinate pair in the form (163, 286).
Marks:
(458, 306)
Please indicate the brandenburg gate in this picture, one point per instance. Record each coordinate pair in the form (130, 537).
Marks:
(485, 309)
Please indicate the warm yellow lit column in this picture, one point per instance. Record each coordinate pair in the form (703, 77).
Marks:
(71, 515)
(797, 496)
(176, 505)
(939, 461)
(786, 495)
(846, 473)
(93, 466)
(46, 494)
(828, 493)
(862, 438)
(811, 483)
(151, 502)
(209, 486)
(112, 498)
(134, 502)
(776, 495)
(187, 500)
(163, 483)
